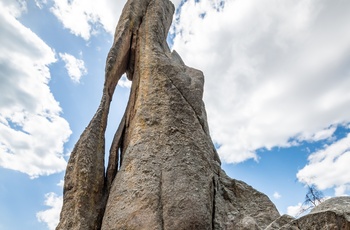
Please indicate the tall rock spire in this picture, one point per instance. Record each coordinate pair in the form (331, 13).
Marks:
(163, 171)
(166, 174)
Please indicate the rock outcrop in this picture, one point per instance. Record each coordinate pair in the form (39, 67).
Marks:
(163, 171)
(339, 205)
(333, 213)
(280, 222)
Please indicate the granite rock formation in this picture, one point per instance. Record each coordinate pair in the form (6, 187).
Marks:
(163, 170)
(333, 213)
(280, 222)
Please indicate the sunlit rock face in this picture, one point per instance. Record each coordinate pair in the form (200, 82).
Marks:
(163, 170)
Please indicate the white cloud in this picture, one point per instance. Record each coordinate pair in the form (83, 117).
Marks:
(329, 167)
(40, 3)
(85, 17)
(324, 134)
(51, 216)
(276, 71)
(61, 183)
(294, 211)
(32, 132)
(14, 8)
(302, 209)
(75, 67)
(124, 82)
(276, 195)
(176, 2)
(342, 190)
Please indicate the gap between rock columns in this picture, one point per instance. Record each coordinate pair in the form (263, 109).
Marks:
(85, 189)
(170, 175)
(165, 179)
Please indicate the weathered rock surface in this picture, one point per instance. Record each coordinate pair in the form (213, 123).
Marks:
(280, 222)
(333, 213)
(339, 205)
(163, 170)
(84, 184)
(319, 221)
(239, 206)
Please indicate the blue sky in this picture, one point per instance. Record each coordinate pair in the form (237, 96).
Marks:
(277, 93)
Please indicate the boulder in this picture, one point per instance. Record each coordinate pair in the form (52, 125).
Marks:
(280, 222)
(333, 213)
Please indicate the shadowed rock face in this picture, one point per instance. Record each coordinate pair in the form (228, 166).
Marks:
(169, 175)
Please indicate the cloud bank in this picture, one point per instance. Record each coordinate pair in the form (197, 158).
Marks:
(276, 71)
(32, 132)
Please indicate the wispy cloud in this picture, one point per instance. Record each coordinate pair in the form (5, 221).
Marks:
(75, 67)
(342, 190)
(328, 168)
(14, 8)
(51, 216)
(302, 209)
(40, 3)
(84, 18)
(61, 183)
(32, 132)
(124, 82)
(276, 71)
(294, 210)
(276, 195)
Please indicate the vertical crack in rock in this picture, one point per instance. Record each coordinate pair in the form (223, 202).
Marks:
(114, 158)
(189, 104)
(213, 203)
(161, 215)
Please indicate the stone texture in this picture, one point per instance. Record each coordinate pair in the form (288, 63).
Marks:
(163, 170)
(280, 222)
(84, 182)
(159, 184)
(84, 192)
(325, 220)
(333, 213)
(239, 206)
(170, 176)
(339, 205)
